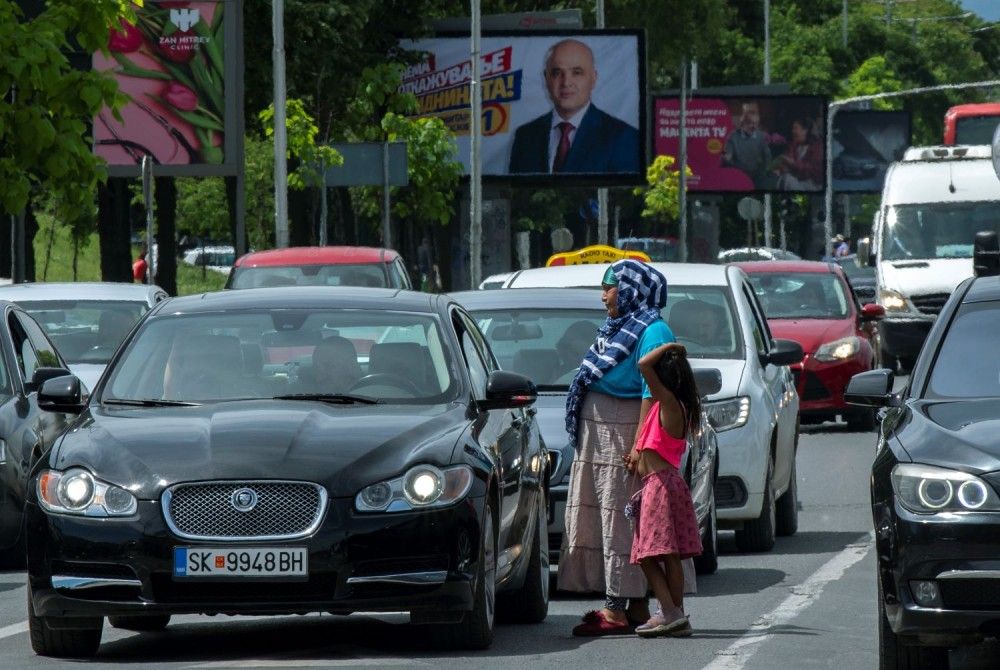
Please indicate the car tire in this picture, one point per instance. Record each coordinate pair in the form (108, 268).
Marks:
(59, 643)
(894, 655)
(861, 421)
(475, 630)
(708, 562)
(787, 512)
(758, 535)
(140, 624)
(530, 603)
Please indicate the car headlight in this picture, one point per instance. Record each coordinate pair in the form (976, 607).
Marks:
(839, 350)
(893, 301)
(926, 489)
(728, 414)
(76, 491)
(421, 487)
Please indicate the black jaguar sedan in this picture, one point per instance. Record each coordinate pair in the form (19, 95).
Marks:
(935, 486)
(277, 451)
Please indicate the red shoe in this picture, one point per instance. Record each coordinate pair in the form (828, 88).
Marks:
(595, 624)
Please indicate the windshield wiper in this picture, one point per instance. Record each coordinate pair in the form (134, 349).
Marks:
(134, 402)
(335, 398)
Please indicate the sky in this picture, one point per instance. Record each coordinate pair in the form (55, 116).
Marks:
(989, 10)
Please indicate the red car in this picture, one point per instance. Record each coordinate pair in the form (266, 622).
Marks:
(320, 266)
(812, 303)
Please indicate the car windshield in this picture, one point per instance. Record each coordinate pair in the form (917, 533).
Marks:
(381, 355)
(370, 274)
(85, 331)
(801, 295)
(976, 129)
(967, 363)
(935, 230)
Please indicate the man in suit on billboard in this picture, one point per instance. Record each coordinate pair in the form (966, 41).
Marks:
(575, 136)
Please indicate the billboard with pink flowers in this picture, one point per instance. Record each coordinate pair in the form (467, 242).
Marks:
(184, 103)
(743, 144)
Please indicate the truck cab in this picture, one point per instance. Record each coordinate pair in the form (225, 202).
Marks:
(934, 201)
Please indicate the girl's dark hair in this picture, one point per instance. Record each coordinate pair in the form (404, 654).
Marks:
(675, 373)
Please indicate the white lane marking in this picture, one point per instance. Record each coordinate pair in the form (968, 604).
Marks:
(312, 663)
(14, 629)
(736, 655)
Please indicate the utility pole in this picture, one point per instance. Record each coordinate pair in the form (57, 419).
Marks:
(602, 193)
(767, 80)
(280, 127)
(682, 236)
(475, 168)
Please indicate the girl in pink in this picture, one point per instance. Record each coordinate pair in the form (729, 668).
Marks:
(666, 529)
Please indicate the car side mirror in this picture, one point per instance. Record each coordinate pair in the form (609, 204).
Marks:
(42, 375)
(508, 390)
(708, 381)
(783, 352)
(872, 312)
(871, 389)
(61, 394)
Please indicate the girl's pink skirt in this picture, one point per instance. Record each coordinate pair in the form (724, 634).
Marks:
(666, 523)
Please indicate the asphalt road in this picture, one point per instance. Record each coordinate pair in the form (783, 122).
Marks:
(809, 603)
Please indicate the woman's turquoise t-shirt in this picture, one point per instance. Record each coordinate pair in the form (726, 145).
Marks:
(624, 380)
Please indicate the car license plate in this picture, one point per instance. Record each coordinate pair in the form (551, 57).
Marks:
(240, 562)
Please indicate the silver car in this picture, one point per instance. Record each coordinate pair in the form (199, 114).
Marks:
(86, 321)
(543, 334)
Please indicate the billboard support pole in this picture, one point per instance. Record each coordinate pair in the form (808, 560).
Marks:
(682, 206)
(602, 193)
(475, 168)
(767, 80)
(386, 216)
(280, 128)
(147, 201)
(837, 104)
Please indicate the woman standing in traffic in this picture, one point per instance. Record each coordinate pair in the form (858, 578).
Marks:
(606, 404)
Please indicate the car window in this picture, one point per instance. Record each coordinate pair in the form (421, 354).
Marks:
(758, 325)
(389, 356)
(478, 373)
(801, 295)
(704, 320)
(967, 364)
(402, 276)
(31, 347)
(368, 274)
(6, 383)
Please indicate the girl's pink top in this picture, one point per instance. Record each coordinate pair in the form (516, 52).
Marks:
(655, 437)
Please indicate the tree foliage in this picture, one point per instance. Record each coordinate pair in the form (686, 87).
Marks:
(46, 105)
(662, 195)
(302, 131)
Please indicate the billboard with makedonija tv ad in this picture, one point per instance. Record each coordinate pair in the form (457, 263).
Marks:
(747, 144)
(565, 106)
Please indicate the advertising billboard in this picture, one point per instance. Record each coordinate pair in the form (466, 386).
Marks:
(864, 144)
(747, 144)
(565, 105)
(184, 105)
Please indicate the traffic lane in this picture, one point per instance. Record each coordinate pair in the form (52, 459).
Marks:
(744, 592)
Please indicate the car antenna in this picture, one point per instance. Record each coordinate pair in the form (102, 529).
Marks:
(951, 179)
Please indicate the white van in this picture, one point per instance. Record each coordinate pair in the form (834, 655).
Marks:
(933, 203)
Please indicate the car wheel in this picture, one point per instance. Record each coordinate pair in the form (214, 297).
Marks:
(708, 562)
(758, 534)
(787, 512)
(894, 655)
(530, 603)
(475, 630)
(140, 623)
(861, 421)
(49, 641)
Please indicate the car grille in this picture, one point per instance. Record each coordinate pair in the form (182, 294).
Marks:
(206, 511)
(320, 587)
(866, 294)
(970, 594)
(814, 389)
(931, 303)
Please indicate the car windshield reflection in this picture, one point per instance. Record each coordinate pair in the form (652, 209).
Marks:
(85, 331)
(801, 295)
(266, 354)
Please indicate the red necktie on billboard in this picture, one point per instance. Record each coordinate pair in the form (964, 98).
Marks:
(565, 127)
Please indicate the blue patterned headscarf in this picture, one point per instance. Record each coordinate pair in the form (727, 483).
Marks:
(642, 293)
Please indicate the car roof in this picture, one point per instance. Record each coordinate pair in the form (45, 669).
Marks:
(759, 267)
(79, 291)
(531, 298)
(307, 297)
(589, 276)
(317, 256)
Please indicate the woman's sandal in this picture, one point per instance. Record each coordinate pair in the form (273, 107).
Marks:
(595, 624)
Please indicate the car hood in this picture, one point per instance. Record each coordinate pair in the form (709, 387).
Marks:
(344, 448)
(731, 371)
(922, 276)
(951, 434)
(811, 333)
(88, 374)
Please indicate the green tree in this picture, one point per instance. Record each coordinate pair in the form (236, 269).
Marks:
(47, 105)
(302, 146)
(661, 196)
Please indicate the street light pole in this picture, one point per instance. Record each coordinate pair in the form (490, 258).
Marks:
(280, 127)
(767, 80)
(475, 168)
(602, 193)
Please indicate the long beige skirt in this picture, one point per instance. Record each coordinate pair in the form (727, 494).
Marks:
(597, 542)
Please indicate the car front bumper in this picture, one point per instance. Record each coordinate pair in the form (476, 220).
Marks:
(960, 553)
(903, 336)
(417, 561)
(739, 489)
(821, 384)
